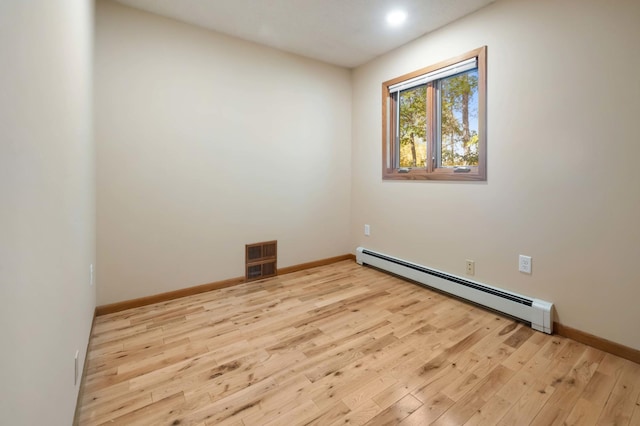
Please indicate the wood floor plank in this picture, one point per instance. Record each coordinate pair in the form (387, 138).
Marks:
(635, 417)
(368, 390)
(360, 415)
(429, 412)
(528, 405)
(154, 412)
(623, 398)
(461, 411)
(490, 413)
(116, 407)
(325, 417)
(343, 344)
(282, 401)
(397, 412)
(591, 402)
(569, 389)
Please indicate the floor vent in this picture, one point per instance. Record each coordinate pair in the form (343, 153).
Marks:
(261, 260)
(536, 312)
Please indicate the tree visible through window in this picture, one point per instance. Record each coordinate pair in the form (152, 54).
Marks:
(413, 127)
(434, 121)
(459, 120)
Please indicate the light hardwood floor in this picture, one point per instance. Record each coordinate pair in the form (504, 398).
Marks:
(344, 344)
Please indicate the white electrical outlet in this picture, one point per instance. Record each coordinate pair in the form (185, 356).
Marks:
(471, 267)
(91, 279)
(75, 368)
(524, 264)
(367, 230)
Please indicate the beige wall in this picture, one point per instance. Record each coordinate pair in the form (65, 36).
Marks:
(206, 143)
(563, 108)
(47, 235)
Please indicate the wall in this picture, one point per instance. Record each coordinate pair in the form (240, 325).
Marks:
(47, 213)
(563, 107)
(206, 143)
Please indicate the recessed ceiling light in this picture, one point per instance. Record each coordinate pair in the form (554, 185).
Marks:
(396, 17)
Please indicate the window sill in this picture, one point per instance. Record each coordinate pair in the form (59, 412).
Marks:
(439, 175)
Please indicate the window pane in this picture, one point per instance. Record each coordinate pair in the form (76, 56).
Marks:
(413, 127)
(458, 120)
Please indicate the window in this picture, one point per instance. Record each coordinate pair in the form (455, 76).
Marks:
(434, 121)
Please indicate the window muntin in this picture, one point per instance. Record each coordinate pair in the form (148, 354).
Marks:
(434, 121)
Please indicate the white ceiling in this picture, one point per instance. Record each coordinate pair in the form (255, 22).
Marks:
(342, 32)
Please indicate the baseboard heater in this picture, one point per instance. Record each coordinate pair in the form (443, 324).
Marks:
(536, 312)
